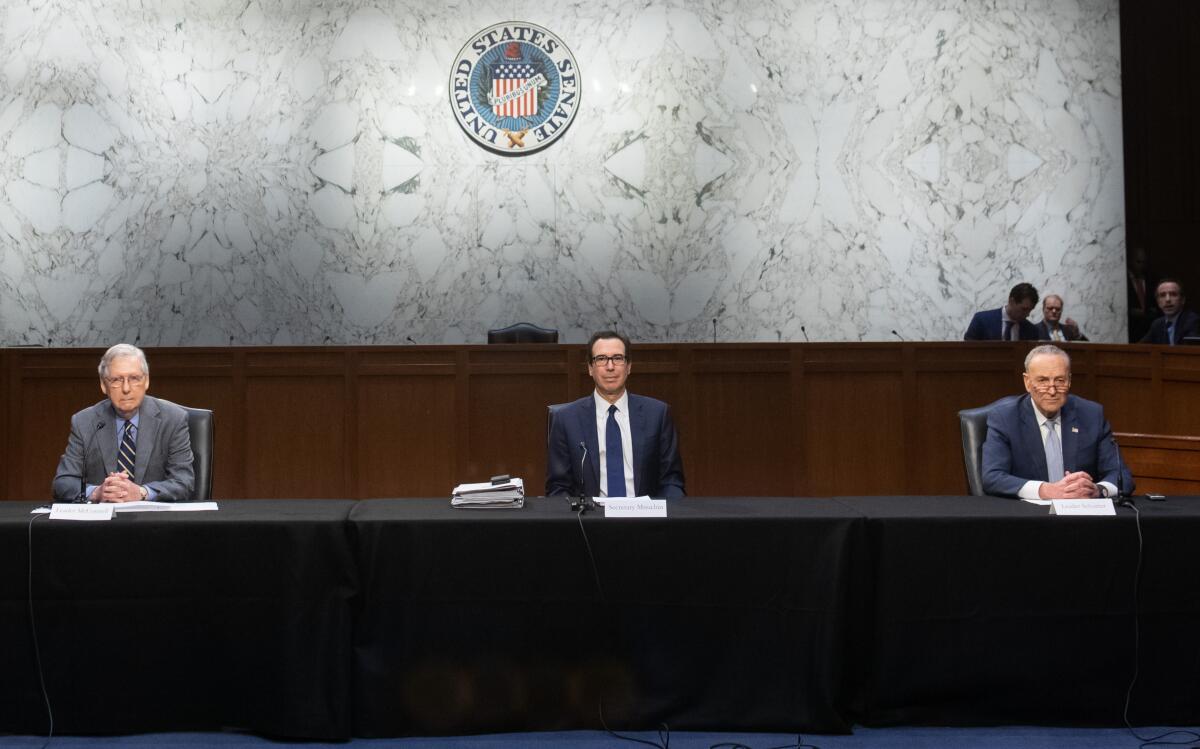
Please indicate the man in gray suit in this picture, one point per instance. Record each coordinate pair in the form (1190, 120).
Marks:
(130, 446)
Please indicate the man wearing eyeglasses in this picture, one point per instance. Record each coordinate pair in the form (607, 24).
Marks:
(1049, 444)
(613, 443)
(129, 447)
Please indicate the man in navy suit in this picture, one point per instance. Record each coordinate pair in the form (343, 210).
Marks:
(1050, 444)
(1009, 322)
(613, 443)
(1177, 321)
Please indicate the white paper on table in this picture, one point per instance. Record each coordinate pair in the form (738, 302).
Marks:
(65, 511)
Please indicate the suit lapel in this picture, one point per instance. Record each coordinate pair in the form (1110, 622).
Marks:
(1031, 438)
(587, 427)
(108, 437)
(636, 417)
(1069, 424)
(146, 432)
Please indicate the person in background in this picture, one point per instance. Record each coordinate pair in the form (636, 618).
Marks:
(1177, 321)
(1053, 327)
(1009, 322)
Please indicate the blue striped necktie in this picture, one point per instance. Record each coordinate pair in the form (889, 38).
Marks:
(614, 463)
(128, 452)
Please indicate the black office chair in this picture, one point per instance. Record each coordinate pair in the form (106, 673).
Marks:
(523, 332)
(552, 412)
(200, 429)
(973, 424)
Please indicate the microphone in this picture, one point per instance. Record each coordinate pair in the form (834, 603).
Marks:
(82, 497)
(714, 330)
(899, 336)
(805, 332)
(1122, 500)
(409, 339)
(582, 462)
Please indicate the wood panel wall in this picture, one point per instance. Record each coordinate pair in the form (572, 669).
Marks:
(755, 419)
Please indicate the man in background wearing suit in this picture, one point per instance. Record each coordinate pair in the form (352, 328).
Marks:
(1177, 321)
(130, 446)
(1053, 327)
(613, 443)
(1009, 322)
(1049, 444)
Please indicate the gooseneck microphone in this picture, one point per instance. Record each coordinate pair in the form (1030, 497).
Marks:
(582, 467)
(82, 496)
(714, 330)
(899, 336)
(1122, 500)
(805, 332)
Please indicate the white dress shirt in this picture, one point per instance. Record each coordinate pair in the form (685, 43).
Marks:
(1030, 489)
(622, 417)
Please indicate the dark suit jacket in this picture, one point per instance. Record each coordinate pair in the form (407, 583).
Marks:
(573, 450)
(164, 451)
(1013, 452)
(1186, 324)
(1043, 331)
(986, 326)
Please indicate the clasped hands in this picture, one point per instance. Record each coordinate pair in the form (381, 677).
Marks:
(1076, 485)
(117, 487)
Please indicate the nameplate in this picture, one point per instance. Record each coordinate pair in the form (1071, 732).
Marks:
(60, 511)
(1097, 506)
(636, 507)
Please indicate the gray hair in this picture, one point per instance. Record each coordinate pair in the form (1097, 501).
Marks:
(120, 350)
(1047, 350)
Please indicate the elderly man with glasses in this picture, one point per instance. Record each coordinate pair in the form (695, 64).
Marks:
(129, 446)
(1050, 444)
(613, 443)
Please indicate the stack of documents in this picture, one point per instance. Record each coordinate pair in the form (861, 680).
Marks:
(511, 493)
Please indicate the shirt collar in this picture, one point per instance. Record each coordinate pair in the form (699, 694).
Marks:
(602, 405)
(1041, 417)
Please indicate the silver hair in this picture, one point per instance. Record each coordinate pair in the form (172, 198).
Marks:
(123, 349)
(1048, 350)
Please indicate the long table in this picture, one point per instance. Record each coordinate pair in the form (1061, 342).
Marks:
(331, 619)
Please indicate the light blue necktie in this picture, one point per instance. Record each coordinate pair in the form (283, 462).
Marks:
(613, 461)
(1171, 333)
(1054, 461)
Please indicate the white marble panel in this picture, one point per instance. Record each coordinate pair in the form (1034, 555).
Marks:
(212, 172)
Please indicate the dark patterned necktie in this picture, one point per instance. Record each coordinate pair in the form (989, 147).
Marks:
(1007, 334)
(128, 452)
(614, 463)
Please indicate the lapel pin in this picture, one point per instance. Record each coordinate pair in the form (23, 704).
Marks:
(1075, 430)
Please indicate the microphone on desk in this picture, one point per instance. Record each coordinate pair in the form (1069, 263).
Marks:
(899, 336)
(82, 496)
(714, 330)
(410, 339)
(805, 332)
(1121, 500)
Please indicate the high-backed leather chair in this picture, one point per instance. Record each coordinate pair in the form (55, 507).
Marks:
(552, 412)
(200, 429)
(523, 332)
(973, 424)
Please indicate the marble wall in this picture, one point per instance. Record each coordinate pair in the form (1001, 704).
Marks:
(187, 172)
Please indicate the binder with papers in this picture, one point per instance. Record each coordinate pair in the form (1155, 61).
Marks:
(510, 493)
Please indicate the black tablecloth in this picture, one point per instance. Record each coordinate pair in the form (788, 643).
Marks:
(990, 611)
(326, 619)
(727, 614)
(180, 621)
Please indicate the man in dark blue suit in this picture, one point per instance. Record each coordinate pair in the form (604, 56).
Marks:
(1177, 322)
(613, 443)
(1008, 323)
(1049, 444)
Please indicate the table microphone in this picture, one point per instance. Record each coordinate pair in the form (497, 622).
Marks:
(899, 336)
(1122, 500)
(805, 332)
(82, 497)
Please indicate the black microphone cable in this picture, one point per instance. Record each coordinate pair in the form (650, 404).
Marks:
(37, 651)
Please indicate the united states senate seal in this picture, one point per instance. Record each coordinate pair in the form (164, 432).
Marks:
(514, 88)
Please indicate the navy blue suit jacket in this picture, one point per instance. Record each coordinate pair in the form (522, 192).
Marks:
(1187, 323)
(573, 450)
(986, 326)
(1013, 452)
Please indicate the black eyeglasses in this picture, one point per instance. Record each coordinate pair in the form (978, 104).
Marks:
(603, 360)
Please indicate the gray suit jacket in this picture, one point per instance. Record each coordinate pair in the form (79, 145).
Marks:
(164, 451)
